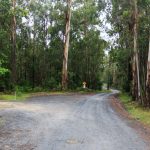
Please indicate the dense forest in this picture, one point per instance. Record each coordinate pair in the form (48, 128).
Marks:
(58, 45)
(129, 57)
(32, 43)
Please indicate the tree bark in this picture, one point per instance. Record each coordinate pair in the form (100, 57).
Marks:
(13, 51)
(136, 78)
(66, 46)
(148, 77)
(33, 55)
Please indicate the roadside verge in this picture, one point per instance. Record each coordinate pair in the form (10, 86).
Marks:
(131, 112)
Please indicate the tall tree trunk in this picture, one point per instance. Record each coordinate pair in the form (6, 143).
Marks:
(148, 77)
(136, 78)
(86, 58)
(33, 56)
(13, 51)
(108, 75)
(66, 46)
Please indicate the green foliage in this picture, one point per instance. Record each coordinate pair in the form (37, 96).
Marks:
(40, 44)
(13, 97)
(135, 110)
(122, 21)
(3, 71)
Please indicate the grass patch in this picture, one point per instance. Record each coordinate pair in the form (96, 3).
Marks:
(105, 91)
(12, 97)
(93, 92)
(89, 91)
(23, 96)
(33, 94)
(86, 91)
(138, 112)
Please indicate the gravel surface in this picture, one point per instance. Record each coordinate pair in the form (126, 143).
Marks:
(77, 122)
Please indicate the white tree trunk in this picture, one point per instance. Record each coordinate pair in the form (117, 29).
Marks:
(148, 76)
(66, 46)
(148, 62)
(136, 76)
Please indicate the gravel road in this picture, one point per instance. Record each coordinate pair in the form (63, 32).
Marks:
(75, 122)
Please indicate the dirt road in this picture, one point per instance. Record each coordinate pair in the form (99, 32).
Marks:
(74, 122)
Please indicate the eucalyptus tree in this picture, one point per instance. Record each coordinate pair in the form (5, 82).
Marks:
(130, 22)
(66, 45)
(148, 76)
(40, 31)
(135, 70)
(13, 51)
(83, 50)
(5, 24)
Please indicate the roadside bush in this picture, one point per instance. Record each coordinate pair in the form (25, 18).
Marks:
(38, 89)
(18, 91)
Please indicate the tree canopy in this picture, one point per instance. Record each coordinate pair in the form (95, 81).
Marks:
(37, 50)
